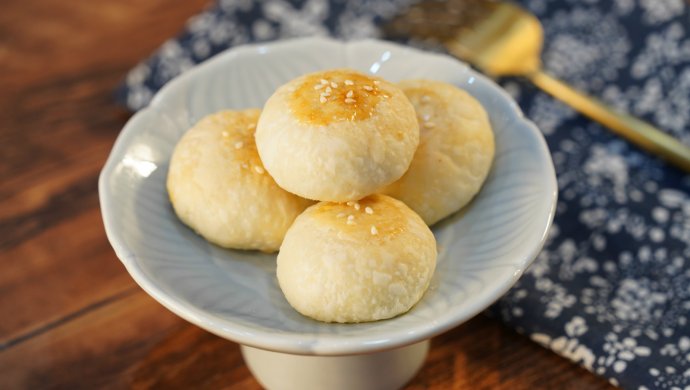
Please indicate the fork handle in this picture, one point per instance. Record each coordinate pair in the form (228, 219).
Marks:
(635, 130)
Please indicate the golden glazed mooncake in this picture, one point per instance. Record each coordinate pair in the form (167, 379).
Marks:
(337, 135)
(455, 152)
(219, 187)
(359, 261)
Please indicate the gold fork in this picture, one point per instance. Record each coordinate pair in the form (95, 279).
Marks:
(502, 39)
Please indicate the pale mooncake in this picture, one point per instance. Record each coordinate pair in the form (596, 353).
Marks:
(219, 187)
(357, 261)
(337, 135)
(455, 151)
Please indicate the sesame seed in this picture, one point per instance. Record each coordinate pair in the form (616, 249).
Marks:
(374, 230)
(245, 165)
(349, 94)
(334, 84)
(349, 82)
(369, 210)
(259, 170)
(318, 86)
(350, 217)
(239, 144)
(340, 215)
(357, 206)
(225, 134)
(322, 99)
(350, 203)
(324, 81)
(426, 117)
(349, 100)
(426, 99)
(368, 88)
(376, 82)
(328, 90)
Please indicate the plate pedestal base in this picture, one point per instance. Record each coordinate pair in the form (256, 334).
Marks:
(380, 370)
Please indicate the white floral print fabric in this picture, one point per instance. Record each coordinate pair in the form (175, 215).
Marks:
(611, 288)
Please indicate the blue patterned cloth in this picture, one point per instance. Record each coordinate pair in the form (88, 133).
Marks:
(611, 289)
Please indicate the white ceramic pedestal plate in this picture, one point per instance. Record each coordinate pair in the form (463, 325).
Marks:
(482, 250)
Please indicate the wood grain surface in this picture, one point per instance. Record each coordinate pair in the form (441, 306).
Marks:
(71, 317)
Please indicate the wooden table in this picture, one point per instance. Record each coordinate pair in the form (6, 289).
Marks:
(71, 317)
